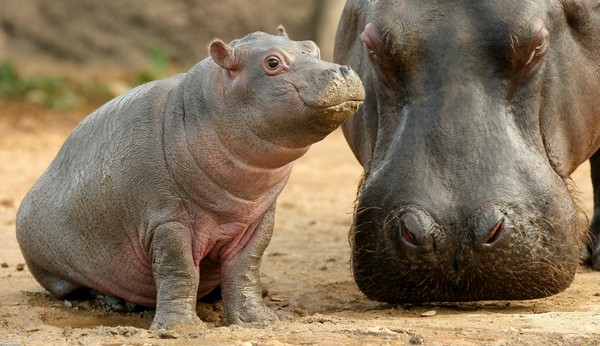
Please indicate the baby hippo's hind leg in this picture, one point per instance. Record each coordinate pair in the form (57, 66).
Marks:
(240, 278)
(56, 285)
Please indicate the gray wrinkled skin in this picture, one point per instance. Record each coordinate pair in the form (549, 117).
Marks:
(476, 113)
(169, 190)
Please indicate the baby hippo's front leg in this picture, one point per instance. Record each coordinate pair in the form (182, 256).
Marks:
(240, 277)
(176, 278)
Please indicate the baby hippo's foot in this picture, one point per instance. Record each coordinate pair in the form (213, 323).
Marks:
(255, 313)
(110, 302)
(180, 322)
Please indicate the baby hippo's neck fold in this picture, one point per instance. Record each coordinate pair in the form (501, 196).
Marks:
(218, 160)
(242, 163)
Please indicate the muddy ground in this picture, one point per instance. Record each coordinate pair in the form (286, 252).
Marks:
(305, 271)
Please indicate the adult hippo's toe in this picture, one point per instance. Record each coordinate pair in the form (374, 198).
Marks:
(475, 115)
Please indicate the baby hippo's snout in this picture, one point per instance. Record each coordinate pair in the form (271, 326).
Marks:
(342, 85)
(340, 94)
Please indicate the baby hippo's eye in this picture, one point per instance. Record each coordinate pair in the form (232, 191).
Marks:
(273, 62)
(274, 65)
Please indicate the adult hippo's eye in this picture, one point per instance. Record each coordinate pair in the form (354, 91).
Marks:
(373, 43)
(526, 51)
(370, 50)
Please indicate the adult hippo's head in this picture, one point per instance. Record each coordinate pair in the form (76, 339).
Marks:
(476, 113)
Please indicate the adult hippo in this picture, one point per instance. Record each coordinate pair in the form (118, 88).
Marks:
(476, 114)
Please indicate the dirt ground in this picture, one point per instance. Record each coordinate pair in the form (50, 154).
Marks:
(305, 270)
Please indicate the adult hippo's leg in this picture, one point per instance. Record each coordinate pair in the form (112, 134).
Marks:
(594, 260)
(240, 277)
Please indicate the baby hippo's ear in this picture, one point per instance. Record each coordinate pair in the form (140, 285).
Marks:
(223, 54)
(281, 31)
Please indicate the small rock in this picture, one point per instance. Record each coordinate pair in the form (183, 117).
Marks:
(20, 266)
(429, 313)
(4, 265)
(67, 331)
(377, 330)
(273, 343)
(68, 304)
(167, 334)
(416, 340)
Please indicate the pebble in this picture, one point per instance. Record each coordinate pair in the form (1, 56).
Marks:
(416, 340)
(429, 313)
(20, 266)
(167, 334)
(4, 265)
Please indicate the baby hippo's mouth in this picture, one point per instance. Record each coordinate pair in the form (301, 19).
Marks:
(343, 107)
(350, 105)
(331, 116)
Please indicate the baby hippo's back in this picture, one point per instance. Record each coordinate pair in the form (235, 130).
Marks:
(78, 225)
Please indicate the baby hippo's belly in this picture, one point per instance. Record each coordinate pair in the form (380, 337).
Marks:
(132, 280)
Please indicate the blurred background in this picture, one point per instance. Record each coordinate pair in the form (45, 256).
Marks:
(60, 53)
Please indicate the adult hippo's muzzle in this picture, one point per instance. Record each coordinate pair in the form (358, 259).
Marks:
(475, 116)
(477, 220)
(497, 253)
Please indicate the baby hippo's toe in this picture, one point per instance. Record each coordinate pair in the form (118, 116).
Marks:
(256, 314)
(177, 322)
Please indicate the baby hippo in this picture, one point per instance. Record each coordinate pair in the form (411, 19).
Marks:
(169, 190)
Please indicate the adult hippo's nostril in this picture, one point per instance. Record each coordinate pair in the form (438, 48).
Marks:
(495, 232)
(490, 224)
(416, 228)
(407, 235)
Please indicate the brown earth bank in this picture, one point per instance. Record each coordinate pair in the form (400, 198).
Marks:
(114, 33)
(305, 271)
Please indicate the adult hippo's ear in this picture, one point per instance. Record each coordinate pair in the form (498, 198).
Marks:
(223, 55)
(281, 31)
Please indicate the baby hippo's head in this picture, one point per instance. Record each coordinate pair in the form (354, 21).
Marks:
(281, 89)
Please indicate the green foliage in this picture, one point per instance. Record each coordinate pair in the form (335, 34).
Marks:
(50, 91)
(159, 69)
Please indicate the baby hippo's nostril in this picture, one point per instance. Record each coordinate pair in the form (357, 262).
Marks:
(345, 71)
